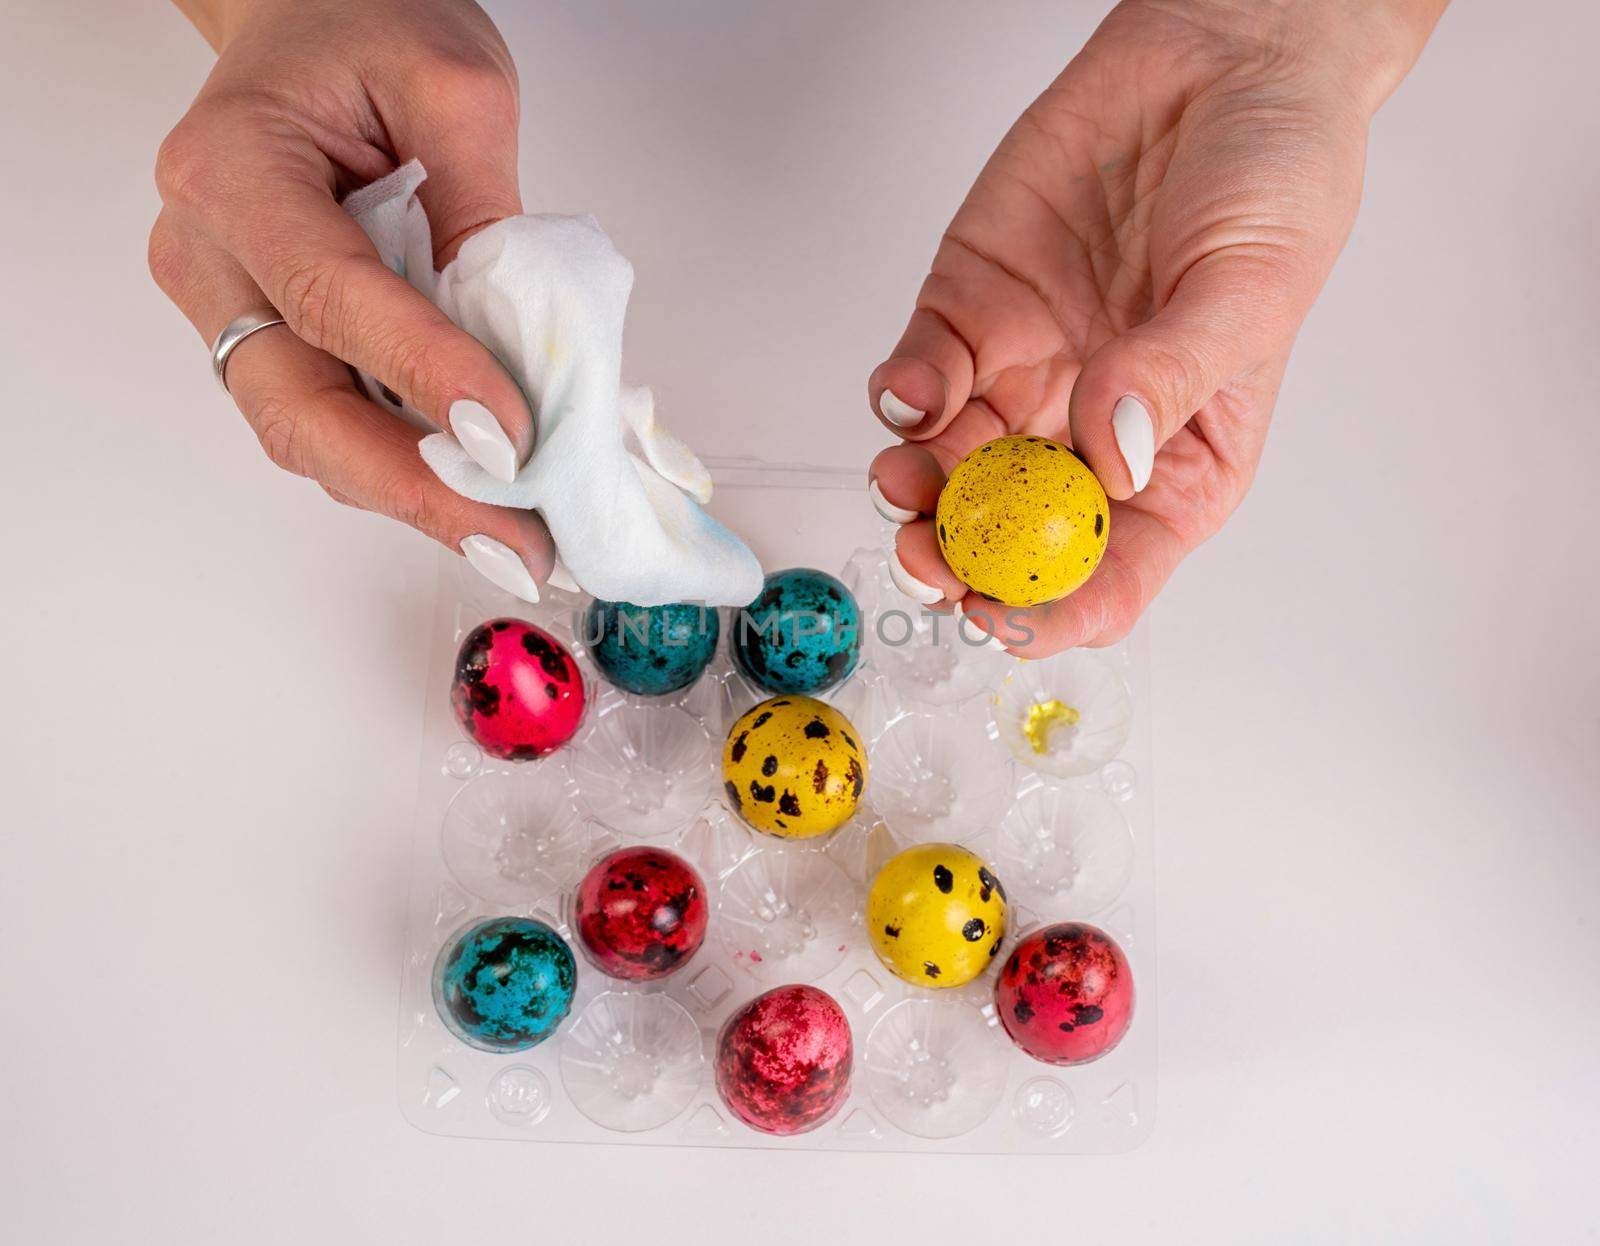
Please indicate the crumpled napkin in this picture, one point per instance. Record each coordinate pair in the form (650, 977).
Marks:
(621, 495)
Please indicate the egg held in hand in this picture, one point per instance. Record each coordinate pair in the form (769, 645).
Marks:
(1022, 520)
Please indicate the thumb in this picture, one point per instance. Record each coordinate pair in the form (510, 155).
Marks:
(1234, 313)
(464, 130)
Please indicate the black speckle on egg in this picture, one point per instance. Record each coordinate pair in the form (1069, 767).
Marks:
(892, 932)
(769, 767)
(816, 729)
(973, 930)
(929, 968)
(943, 879)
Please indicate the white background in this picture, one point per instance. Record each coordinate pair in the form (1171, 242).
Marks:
(1377, 715)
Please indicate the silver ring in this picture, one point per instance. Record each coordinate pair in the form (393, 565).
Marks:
(234, 332)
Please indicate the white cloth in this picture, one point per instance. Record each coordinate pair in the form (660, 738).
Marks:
(621, 495)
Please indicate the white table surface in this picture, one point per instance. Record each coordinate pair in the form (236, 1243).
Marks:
(1377, 691)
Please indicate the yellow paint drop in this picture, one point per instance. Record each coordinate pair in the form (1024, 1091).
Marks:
(1045, 716)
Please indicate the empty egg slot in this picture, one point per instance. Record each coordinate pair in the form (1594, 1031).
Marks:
(515, 837)
(786, 914)
(645, 770)
(934, 1068)
(632, 1061)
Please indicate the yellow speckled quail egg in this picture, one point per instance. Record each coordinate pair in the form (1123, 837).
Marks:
(936, 915)
(794, 767)
(1022, 520)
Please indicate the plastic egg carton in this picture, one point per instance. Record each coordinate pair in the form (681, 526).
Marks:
(1068, 832)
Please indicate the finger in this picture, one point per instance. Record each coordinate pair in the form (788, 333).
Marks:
(311, 421)
(318, 268)
(1231, 317)
(929, 373)
(969, 319)
(918, 568)
(1140, 557)
(904, 481)
(909, 478)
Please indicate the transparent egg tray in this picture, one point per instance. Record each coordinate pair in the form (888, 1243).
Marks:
(953, 736)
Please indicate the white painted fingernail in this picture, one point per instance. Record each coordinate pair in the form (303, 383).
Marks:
(886, 508)
(990, 640)
(909, 584)
(561, 578)
(897, 412)
(482, 437)
(1136, 438)
(498, 563)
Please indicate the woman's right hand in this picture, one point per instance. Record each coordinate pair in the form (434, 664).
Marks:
(309, 99)
(1128, 275)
